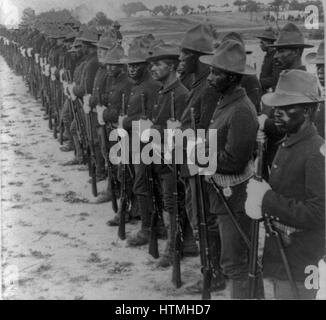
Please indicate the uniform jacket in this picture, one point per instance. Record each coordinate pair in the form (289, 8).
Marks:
(235, 125)
(162, 109)
(253, 89)
(269, 74)
(99, 83)
(88, 73)
(112, 97)
(297, 199)
(149, 88)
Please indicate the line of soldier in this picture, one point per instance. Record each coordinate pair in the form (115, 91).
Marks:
(88, 86)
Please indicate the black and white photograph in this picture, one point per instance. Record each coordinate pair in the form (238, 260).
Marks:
(162, 150)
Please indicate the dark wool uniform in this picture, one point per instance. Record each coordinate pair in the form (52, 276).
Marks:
(253, 89)
(112, 97)
(235, 123)
(194, 101)
(297, 201)
(269, 74)
(149, 88)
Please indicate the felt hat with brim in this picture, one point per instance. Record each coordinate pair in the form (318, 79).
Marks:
(317, 57)
(290, 37)
(199, 39)
(136, 54)
(294, 87)
(115, 55)
(106, 42)
(88, 36)
(268, 34)
(230, 56)
(164, 51)
(235, 36)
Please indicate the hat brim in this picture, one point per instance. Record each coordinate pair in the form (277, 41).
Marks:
(275, 99)
(196, 50)
(163, 56)
(104, 46)
(312, 58)
(291, 45)
(209, 61)
(132, 61)
(115, 62)
(94, 42)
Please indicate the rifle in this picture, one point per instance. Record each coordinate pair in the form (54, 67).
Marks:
(91, 152)
(176, 221)
(111, 177)
(156, 214)
(206, 263)
(254, 273)
(123, 197)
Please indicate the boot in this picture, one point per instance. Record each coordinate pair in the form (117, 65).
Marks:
(103, 198)
(218, 282)
(142, 237)
(166, 259)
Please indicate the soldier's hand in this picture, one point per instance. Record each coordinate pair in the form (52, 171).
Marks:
(100, 110)
(173, 124)
(261, 120)
(256, 191)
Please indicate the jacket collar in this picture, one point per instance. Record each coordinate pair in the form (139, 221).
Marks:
(170, 87)
(200, 76)
(301, 135)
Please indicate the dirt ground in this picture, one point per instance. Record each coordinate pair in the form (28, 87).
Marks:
(55, 244)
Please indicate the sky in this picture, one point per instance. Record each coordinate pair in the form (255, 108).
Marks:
(10, 10)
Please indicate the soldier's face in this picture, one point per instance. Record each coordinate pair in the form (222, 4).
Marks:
(289, 119)
(160, 70)
(321, 74)
(101, 53)
(218, 79)
(188, 60)
(136, 70)
(114, 69)
(284, 57)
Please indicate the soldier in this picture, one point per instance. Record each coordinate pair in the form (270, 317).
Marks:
(143, 91)
(294, 199)
(116, 26)
(268, 76)
(235, 124)
(164, 62)
(105, 45)
(116, 90)
(319, 60)
(197, 42)
(289, 48)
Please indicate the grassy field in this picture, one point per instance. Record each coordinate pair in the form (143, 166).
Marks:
(173, 28)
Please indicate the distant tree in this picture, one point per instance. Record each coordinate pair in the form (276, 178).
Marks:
(28, 16)
(251, 7)
(201, 8)
(100, 20)
(156, 10)
(239, 4)
(133, 7)
(185, 9)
